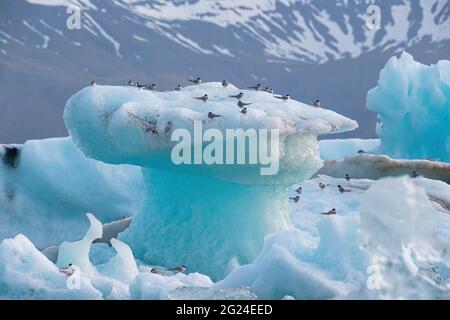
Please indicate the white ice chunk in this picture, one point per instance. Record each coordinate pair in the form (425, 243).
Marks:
(77, 252)
(25, 273)
(399, 228)
(149, 286)
(280, 270)
(122, 266)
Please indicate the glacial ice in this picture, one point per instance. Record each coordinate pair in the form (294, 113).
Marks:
(52, 179)
(210, 217)
(339, 252)
(77, 252)
(283, 269)
(149, 286)
(100, 253)
(413, 105)
(122, 266)
(25, 273)
(389, 238)
(322, 257)
(125, 125)
(402, 237)
(323, 248)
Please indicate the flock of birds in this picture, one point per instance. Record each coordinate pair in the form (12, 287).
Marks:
(70, 270)
(243, 106)
(341, 189)
(323, 186)
(198, 81)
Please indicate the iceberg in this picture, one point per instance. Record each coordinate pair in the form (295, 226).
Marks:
(406, 239)
(230, 224)
(285, 267)
(208, 216)
(342, 256)
(320, 257)
(50, 179)
(413, 105)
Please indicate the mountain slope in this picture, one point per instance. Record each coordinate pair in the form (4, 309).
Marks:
(310, 49)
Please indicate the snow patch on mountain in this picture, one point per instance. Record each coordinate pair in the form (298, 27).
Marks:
(33, 29)
(286, 30)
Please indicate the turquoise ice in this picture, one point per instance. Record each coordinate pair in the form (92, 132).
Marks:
(413, 105)
(208, 217)
(216, 219)
(54, 182)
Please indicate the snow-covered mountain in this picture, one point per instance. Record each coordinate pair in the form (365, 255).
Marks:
(307, 30)
(304, 47)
